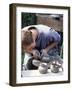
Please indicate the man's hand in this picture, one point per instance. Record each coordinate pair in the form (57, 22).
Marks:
(44, 52)
(36, 54)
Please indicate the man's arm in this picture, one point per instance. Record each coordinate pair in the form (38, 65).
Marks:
(52, 45)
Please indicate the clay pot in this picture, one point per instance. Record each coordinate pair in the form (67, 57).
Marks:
(43, 67)
(54, 69)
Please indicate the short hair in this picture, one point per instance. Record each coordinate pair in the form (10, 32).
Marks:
(30, 28)
(27, 39)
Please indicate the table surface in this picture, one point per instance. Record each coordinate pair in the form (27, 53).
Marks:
(36, 73)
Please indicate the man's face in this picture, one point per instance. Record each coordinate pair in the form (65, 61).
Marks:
(31, 46)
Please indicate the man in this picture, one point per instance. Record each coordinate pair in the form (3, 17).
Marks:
(41, 38)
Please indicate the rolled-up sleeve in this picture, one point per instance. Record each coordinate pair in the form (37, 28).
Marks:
(55, 35)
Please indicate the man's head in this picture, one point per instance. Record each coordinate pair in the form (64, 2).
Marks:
(29, 38)
(27, 41)
(34, 32)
